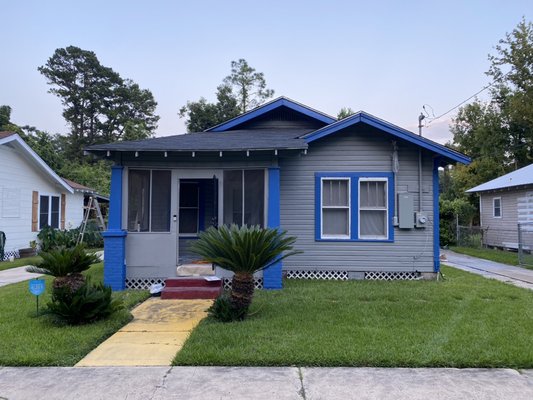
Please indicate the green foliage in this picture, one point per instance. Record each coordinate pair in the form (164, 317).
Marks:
(96, 175)
(50, 238)
(223, 310)
(99, 105)
(449, 211)
(87, 304)
(345, 112)
(240, 91)
(64, 261)
(243, 249)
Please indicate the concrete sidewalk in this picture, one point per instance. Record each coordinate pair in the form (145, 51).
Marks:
(15, 275)
(158, 383)
(489, 269)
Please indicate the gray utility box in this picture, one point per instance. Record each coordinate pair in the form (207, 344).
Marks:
(406, 211)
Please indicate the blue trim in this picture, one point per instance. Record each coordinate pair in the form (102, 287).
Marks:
(115, 236)
(279, 102)
(272, 274)
(354, 204)
(436, 216)
(362, 117)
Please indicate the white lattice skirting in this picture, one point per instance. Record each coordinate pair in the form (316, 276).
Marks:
(13, 253)
(392, 276)
(328, 275)
(143, 283)
(258, 283)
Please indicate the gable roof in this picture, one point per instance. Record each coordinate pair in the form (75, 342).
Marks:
(16, 141)
(270, 106)
(396, 131)
(520, 177)
(78, 187)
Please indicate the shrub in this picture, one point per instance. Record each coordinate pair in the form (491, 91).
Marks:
(223, 310)
(86, 304)
(50, 238)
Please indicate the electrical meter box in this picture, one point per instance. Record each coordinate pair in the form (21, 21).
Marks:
(421, 220)
(406, 211)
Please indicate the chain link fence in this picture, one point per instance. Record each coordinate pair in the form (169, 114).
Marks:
(518, 241)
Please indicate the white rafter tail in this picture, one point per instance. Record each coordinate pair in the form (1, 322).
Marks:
(220, 154)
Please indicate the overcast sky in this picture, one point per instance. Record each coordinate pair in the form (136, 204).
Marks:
(388, 58)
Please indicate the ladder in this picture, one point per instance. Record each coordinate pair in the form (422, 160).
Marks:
(92, 205)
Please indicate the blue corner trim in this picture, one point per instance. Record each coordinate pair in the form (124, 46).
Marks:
(362, 117)
(272, 275)
(436, 216)
(354, 204)
(276, 103)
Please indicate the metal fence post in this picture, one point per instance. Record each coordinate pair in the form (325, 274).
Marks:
(520, 258)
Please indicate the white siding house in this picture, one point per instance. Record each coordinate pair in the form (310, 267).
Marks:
(32, 195)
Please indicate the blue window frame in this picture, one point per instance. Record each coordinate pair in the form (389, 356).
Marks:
(349, 206)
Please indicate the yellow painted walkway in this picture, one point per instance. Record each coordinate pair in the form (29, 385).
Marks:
(154, 336)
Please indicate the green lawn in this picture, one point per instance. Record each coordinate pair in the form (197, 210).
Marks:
(29, 340)
(463, 321)
(19, 262)
(501, 256)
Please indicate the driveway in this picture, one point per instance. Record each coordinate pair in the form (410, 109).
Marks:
(489, 269)
(264, 383)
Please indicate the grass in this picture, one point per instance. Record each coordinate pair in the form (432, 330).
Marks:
(464, 321)
(27, 339)
(501, 256)
(19, 262)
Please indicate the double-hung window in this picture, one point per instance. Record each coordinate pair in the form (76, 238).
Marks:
(48, 211)
(149, 200)
(497, 207)
(354, 206)
(373, 208)
(335, 208)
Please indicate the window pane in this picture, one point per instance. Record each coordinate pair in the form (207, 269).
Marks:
(372, 193)
(373, 223)
(335, 192)
(54, 217)
(161, 201)
(43, 211)
(189, 220)
(188, 194)
(233, 197)
(138, 200)
(335, 221)
(254, 197)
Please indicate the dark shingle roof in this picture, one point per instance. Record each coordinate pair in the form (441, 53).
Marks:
(238, 140)
(5, 134)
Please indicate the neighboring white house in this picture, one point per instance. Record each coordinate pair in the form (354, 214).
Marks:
(32, 195)
(504, 203)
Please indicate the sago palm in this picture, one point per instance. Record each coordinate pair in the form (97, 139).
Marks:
(244, 251)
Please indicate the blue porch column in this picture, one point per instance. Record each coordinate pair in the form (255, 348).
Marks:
(115, 236)
(272, 275)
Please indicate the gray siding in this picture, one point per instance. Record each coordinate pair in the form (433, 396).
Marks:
(282, 118)
(357, 150)
(503, 232)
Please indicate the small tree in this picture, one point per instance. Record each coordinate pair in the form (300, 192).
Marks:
(244, 251)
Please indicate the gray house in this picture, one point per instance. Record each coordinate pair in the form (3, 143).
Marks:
(504, 203)
(360, 195)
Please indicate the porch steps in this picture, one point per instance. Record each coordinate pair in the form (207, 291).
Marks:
(191, 288)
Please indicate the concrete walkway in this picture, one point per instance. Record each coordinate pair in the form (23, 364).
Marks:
(489, 269)
(154, 336)
(15, 275)
(158, 383)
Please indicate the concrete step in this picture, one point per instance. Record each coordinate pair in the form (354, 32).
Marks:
(191, 282)
(194, 292)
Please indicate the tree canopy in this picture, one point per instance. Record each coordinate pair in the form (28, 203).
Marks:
(242, 90)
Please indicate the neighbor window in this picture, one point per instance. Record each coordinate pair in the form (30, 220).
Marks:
(244, 197)
(497, 207)
(149, 201)
(373, 208)
(335, 208)
(48, 211)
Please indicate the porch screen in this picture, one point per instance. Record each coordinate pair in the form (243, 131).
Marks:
(244, 197)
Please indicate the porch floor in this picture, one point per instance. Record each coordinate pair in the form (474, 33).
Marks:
(154, 336)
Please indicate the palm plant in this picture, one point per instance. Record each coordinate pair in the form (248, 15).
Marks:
(66, 265)
(243, 250)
